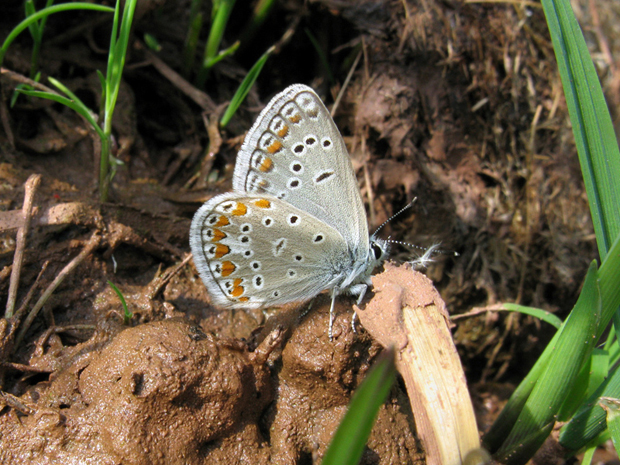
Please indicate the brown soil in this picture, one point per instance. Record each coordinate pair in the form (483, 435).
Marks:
(458, 104)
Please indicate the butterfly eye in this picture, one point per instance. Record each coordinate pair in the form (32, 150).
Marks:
(377, 251)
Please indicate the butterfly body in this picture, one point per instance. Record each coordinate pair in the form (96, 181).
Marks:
(294, 224)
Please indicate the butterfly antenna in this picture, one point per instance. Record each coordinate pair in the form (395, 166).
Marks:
(394, 216)
(433, 249)
(426, 258)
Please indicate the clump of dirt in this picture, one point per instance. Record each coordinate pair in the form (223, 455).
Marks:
(166, 392)
(161, 392)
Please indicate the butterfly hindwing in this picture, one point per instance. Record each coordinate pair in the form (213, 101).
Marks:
(253, 251)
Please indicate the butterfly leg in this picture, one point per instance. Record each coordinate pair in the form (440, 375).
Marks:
(307, 310)
(331, 312)
(360, 291)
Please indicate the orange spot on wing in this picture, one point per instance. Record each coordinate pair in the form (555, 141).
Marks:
(221, 250)
(240, 209)
(262, 203)
(283, 132)
(217, 235)
(237, 290)
(295, 119)
(274, 147)
(243, 299)
(222, 221)
(228, 268)
(266, 165)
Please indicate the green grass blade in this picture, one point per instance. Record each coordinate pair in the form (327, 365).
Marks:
(222, 11)
(112, 48)
(223, 54)
(44, 13)
(65, 90)
(349, 441)
(36, 31)
(613, 348)
(566, 343)
(589, 421)
(609, 279)
(598, 152)
(592, 374)
(127, 315)
(33, 28)
(151, 42)
(588, 455)
(119, 40)
(592, 126)
(322, 57)
(539, 313)
(574, 344)
(245, 87)
(259, 15)
(79, 108)
(116, 60)
(612, 408)
(191, 41)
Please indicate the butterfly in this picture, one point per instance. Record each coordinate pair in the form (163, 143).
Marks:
(294, 224)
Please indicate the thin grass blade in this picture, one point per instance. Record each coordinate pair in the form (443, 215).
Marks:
(222, 11)
(79, 109)
(592, 126)
(223, 54)
(127, 315)
(575, 343)
(592, 374)
(612, 408)
(589, 421)
(191, 39)
(322, 57)
(259, 15)
(44, 13)
(539, 313)
(349, 441)
(245, 87)
(609, 279)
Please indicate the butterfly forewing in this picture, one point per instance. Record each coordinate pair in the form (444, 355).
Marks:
(295, 152)
(253, 251)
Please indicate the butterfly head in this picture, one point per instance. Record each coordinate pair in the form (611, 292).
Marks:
(378, 251)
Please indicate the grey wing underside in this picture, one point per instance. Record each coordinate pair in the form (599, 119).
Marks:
(295, 152)
(263, 265)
